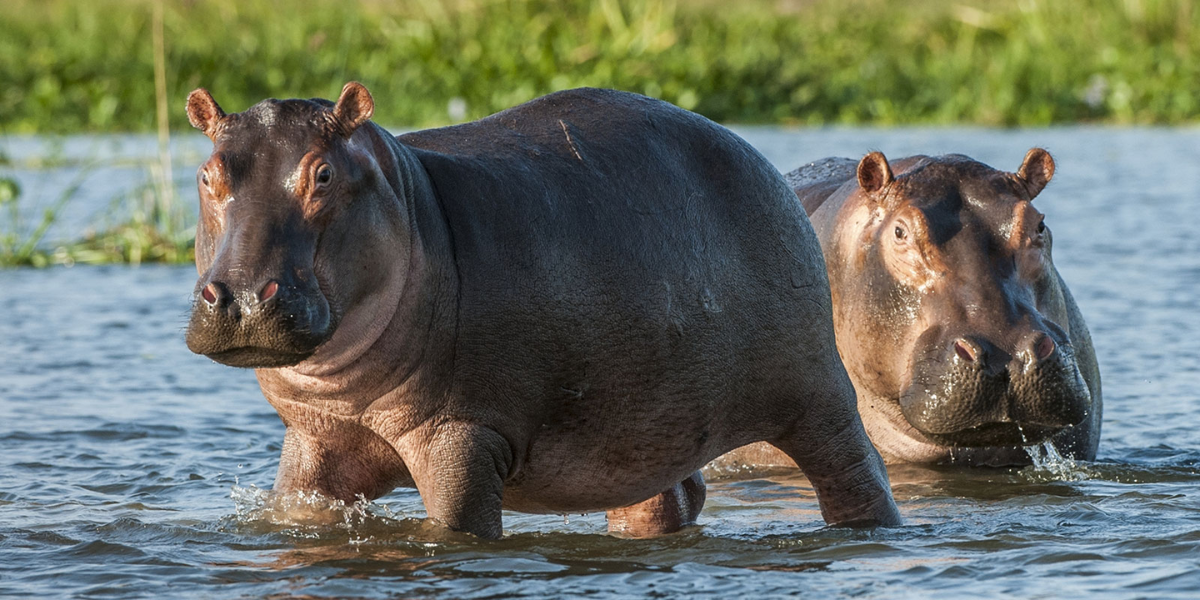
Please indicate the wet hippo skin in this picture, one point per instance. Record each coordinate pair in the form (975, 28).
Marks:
(962, 340)
(569, 306)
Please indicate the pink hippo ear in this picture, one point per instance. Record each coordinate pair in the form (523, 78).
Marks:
(204, 112)
(354, 107)
(1036, 170)
(874, 173)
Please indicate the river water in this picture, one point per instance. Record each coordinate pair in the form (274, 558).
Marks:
(131, 468)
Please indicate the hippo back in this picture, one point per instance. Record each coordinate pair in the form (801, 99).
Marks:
(605, 240)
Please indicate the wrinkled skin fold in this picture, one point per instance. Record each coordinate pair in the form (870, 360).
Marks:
(565, 307)
(962, 340)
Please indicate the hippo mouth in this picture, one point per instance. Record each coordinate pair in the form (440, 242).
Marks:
(279, 334)
(254, 357)
(963, 402)
(995, 434)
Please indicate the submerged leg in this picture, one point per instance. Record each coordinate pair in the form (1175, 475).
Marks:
(667, 512)
(343, 463)
(833, 450)
(461, 478)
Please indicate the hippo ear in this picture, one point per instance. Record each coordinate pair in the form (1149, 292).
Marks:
(204, 112)
(874, 172)
(354, 107)
(1036, 170)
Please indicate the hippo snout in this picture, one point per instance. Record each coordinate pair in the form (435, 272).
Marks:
(971, 392)
(271, 323)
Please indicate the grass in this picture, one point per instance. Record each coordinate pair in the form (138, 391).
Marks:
(89, 66)
(127, 65)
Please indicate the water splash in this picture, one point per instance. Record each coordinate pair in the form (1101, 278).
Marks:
(307, 514)
(1050, 465)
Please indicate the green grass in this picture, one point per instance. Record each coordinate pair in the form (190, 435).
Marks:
(71, 66)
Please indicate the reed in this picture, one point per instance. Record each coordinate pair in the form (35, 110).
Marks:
(137, 227)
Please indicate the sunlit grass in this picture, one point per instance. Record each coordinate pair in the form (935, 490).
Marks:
(89, 66)
(100, 66)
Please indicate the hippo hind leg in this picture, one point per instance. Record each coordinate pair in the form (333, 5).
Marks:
(665, 513)
(836, 455)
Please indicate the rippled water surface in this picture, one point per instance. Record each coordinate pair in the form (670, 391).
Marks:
(132, 468)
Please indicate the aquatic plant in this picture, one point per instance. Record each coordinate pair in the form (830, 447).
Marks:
(138, 226)
(19, 240)
(142, 226)
(149, 225)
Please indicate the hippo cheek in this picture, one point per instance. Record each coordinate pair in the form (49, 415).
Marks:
(256, 330)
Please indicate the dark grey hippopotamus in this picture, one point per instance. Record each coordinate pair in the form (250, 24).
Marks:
(962, 340)
(568, 306)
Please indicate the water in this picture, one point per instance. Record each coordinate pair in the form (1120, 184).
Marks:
(132, 468)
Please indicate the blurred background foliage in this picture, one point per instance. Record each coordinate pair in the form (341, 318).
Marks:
(72, 66)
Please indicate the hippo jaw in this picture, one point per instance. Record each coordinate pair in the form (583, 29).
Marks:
(956, 401)
(990, 435)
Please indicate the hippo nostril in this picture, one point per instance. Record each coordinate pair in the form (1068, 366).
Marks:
(1043, 347)
(966, 350)
(211, 294)
(268, 291)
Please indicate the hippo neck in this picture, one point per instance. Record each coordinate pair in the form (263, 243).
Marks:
(407, 324)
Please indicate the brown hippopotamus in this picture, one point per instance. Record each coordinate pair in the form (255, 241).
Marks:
(962, 340)
(568, 306)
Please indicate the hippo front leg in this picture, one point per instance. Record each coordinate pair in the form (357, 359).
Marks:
(343, 462)
(665, 513)
(460, 474)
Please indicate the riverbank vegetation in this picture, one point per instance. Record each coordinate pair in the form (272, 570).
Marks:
(72, 66)
(127, 66)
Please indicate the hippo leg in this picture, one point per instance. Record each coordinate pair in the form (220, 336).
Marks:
(461, 478)
(665, 513)
(838, 458)
(344, 462)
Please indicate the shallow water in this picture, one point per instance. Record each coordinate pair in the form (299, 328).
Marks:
(132, 468)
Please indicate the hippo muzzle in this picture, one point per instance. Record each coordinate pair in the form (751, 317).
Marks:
(968, 392)
(259, 304)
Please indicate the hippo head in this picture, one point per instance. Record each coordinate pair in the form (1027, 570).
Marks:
(296, 217)
(951, 314)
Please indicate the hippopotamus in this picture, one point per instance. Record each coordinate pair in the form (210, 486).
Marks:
(568, 306)
(962, 340)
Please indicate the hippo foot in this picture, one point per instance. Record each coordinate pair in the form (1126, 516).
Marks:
(665, 513)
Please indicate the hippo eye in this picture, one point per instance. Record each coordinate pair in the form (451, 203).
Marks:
(324, 174)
